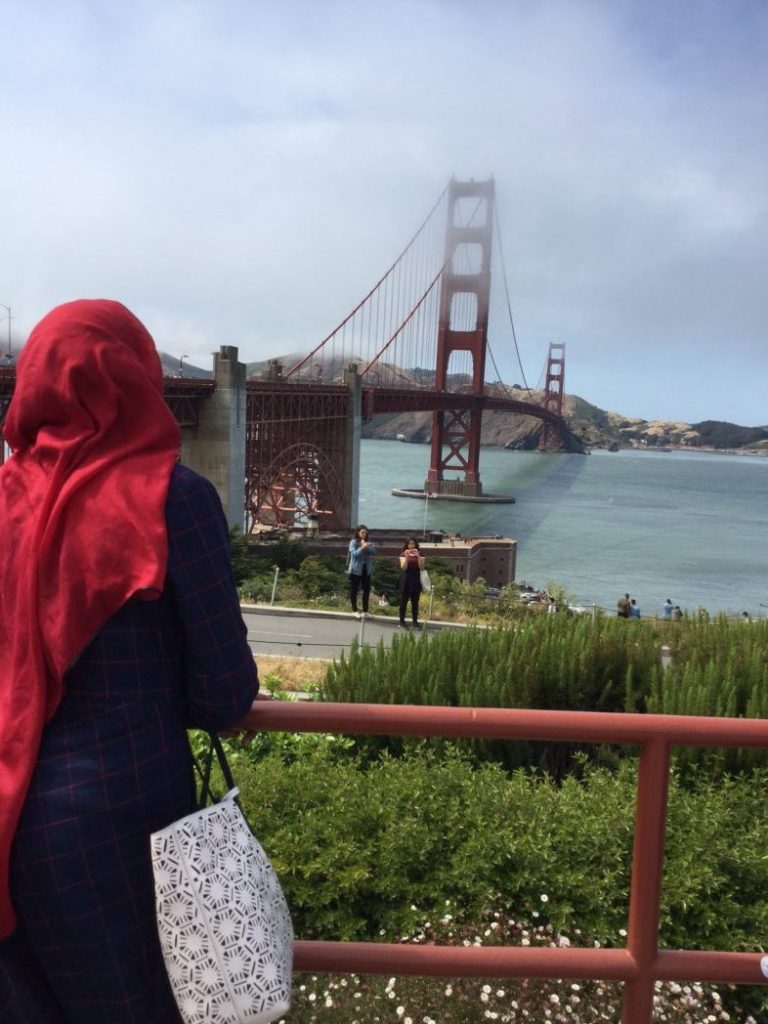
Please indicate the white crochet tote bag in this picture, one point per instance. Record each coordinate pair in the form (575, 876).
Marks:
(224, 925)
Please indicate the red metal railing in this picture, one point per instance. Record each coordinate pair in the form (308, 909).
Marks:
(641, 963)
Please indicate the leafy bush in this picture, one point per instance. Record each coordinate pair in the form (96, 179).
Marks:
(361, 850)
(316, 577)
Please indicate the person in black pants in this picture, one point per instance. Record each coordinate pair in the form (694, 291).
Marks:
(409, 584)
(360, 568)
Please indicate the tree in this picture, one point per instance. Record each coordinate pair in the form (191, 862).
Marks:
(241, 559)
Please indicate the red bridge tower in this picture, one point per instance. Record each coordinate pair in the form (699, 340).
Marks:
(551, 438)
(462, 327)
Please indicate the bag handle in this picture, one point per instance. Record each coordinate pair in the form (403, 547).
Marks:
(203, 767)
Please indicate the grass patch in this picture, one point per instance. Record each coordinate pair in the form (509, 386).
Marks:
(289, 675)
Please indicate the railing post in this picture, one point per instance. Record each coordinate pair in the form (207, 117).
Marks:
(647, 872)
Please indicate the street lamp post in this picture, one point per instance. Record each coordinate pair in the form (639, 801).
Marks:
(9, 353)
(181, 364)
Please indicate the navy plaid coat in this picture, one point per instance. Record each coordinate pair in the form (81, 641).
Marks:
(114, 767)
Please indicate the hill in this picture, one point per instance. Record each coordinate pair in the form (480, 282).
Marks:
(173, 367)
(588, 425)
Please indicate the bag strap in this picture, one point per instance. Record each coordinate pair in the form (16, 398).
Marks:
(203, 767)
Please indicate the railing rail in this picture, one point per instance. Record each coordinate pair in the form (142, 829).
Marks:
(641, 963)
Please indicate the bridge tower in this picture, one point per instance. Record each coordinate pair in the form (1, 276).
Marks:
(551, 437)
(462, 327)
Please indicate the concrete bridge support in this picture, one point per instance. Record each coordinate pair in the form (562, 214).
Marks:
(216, 447)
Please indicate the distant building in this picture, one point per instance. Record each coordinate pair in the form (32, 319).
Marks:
(492, 558)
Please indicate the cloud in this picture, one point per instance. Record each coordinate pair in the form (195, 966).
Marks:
(242, 173)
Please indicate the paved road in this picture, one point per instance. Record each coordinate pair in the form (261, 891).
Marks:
(303, 634)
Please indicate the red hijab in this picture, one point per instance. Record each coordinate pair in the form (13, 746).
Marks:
(82, 513)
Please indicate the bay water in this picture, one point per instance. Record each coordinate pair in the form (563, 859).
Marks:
(686, 525)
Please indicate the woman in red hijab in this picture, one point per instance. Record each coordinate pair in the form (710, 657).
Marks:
(119, 629)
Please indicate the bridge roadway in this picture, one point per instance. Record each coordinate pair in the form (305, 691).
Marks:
(384, 399)
(184, 394)
(299, 633)
(376, 398)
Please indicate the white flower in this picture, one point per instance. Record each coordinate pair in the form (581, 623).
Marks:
(544, 898)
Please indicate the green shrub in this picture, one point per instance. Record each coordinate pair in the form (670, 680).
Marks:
(718, 667)
(316, 577)
(364, 849)
(550, 662)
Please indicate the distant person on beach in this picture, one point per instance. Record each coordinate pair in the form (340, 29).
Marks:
(622, 607)
(360, 568)
(634, 610)
(411, 563)
(677, 613)
(667, 608)
(552, 608)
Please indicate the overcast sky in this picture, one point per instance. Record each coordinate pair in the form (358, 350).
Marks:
(242, 172)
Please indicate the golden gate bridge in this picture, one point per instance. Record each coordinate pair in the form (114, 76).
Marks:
(417, 342)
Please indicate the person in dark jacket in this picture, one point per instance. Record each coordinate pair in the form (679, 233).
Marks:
(411, 563)
(122, 629)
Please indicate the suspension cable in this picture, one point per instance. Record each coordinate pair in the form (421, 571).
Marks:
(419, 304)
(509, 304)
(378, 284)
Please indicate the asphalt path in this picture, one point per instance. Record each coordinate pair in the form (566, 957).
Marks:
(301, 634)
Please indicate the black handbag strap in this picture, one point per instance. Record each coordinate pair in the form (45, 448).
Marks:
(203, 766)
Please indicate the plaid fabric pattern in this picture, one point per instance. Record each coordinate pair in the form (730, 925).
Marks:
(114, 766)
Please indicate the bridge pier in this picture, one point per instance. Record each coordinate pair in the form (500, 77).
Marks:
(216, 447)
